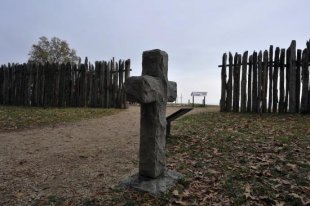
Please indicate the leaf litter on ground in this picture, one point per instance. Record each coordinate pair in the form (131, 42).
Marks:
(231, 159)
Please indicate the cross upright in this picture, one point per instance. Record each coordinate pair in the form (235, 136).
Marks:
(152, 90)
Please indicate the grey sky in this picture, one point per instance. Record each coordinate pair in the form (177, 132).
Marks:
(195, 33)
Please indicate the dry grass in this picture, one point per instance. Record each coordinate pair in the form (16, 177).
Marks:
(12, 118)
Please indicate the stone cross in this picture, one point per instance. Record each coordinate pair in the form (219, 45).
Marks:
(152, 90)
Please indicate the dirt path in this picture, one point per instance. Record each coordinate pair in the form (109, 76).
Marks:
(71, 160)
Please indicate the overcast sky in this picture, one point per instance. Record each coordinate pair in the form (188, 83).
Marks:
(194, 33)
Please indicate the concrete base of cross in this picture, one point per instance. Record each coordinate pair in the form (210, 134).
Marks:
(154, 186)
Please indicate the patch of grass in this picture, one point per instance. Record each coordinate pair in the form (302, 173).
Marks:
(54, 200)
(89, 202)
(12, 117)
(233, 187)
(246, 152)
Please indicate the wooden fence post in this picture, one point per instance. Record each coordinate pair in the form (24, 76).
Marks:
(21, 84)
(9, 80)
(96, 85)
(282, 94)
(13, 74)
(249, 108)
(112, 65)
(298, 75)
(105, 84)
(1, 84)
(13, 84)
(305, 83)
(264, 81)
(230, 84)
(69, 84)
(47, 85)
(236, 87)
(20, 95)
(275, 80)
(259, 80)
(287, 80)
(4, 85)
(90, 81)
(115, 86)
(54, 91)
(121, 84)
(255, 86)
(97, 89)
(308, 59)
(34, 98)
(27, 88)
(38, 85)
(62, 83)
(223, 89)
(77, 76)
(16, 85)
(85, 85)
(270, 68)
(243, 81)
(56, 80)
(292, 77)
(7, 84)
(107, 81)
(26, 85)
(127, 74)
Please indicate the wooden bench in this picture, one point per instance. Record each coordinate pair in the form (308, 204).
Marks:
(173, 117)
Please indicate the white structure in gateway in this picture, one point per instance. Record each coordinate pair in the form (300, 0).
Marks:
(199, 94)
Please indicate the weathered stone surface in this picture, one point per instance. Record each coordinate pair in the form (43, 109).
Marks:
(144, 89)
(152, 90)
(172, 91)
(154, 186)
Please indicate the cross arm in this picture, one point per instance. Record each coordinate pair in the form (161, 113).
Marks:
(143, 89)
(172, 91)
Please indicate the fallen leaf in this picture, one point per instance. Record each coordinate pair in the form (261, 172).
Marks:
(254, 167)
(278, 168)
(304, 202)
(179, 202)
(175, 192)
(18, 195)
(292, 166)
(247, 190)
(216, 151)
(212, 171)
(186, 193)
(280, 203)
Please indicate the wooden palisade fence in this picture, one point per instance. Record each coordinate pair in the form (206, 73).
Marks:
(65, 85)
(270, 81)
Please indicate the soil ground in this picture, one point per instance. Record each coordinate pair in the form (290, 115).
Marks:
(73, 160)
